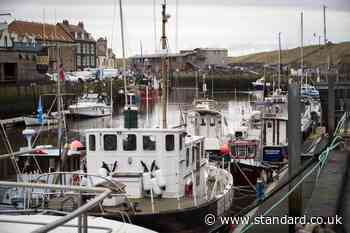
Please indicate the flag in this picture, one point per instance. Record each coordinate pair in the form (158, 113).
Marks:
(40, 115)
(61, 73)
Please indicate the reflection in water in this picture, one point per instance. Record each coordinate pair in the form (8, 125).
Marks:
(232, 107)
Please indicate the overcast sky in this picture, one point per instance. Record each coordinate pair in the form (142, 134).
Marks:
(242, 26)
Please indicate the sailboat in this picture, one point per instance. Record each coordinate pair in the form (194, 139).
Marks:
(40, 118)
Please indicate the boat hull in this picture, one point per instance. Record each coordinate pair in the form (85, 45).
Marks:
(33, 121)
(90, 112)
(182, 220)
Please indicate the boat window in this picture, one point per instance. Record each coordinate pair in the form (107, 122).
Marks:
(180, 141)
(109, 142)
(92, 142)
(129, 142)
(187, 157)
(251, 151)
(149, 143)
(202, 122)
(202, 150)
(269, 124)
(241, 151)
(212, 121)
(193, 151)
(238, 134)
(169, 142)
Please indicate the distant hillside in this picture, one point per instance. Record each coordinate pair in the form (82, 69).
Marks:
(313, 56)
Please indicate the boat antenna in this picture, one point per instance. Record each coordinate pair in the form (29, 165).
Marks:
(279, 60)
(123, 47)
(165, 18)
(302, 46)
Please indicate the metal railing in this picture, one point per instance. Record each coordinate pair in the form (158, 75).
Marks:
(82, 226)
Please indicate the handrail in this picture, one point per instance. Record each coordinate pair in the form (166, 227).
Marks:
(5, 156)
(93, 175)
(108, 230)
(77, 173)
(81, 210)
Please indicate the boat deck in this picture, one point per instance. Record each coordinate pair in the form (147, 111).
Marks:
(162, 204)
(144, 205)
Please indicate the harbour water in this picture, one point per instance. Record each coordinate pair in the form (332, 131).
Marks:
(232, 105)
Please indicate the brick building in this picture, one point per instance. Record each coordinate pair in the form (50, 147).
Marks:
(85, 51)
(20, 44)
(58, 42)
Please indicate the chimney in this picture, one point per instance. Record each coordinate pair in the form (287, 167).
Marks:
(81, 25)
(65, 22)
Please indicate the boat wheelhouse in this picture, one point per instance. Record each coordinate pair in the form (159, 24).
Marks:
(204, 119)
(165, 172)
(260, 84)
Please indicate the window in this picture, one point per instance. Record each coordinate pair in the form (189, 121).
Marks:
(5, 41)
(169, 142)
(187, 157)
(78, 60)
(129, 142)
(193, 151)
(110, 142)
(92, 142)
(78, 48)
(149, 143)
(269, 124)
(203, 122)
(202, 150)
(180, 141)
(212, 121)
(93, 61)
(251, 151)
(92, 49)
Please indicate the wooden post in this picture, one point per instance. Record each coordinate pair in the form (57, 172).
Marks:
(294, 149)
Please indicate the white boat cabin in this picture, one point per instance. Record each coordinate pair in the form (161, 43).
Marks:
(204, 120)
(144, 159)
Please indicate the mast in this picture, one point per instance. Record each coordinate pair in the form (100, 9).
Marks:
(177, 26)
(324, 25)
(325, 40)
(164, 67)
(302, 46)
(123, 47)
(111, 102)
(279, 60)
(154, 26)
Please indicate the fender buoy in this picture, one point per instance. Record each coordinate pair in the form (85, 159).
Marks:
(75, 180)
